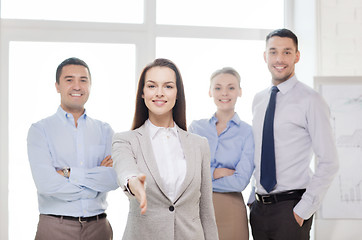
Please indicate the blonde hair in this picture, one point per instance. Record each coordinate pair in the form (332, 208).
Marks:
(225, 70)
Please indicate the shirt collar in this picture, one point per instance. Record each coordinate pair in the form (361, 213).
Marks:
(154, 130)
(235, 119)
(213, 119)
(65, 115)
(284, 87)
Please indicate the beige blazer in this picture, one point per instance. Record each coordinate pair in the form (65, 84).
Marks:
(191, 215)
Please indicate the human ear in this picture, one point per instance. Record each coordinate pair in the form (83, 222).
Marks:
(264, 56)
(57, 87)
(297, 57)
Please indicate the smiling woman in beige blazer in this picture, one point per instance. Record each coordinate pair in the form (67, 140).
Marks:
(177, 201)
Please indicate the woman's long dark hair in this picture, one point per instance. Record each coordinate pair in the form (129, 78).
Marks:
(178, 111)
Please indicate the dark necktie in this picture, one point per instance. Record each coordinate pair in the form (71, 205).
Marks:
(267, 173)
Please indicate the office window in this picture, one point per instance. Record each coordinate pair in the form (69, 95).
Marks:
(199, 58)
(228, 13)
(32, 96)
(116, 53)
(118, 11)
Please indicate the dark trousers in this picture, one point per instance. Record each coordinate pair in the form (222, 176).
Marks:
(277, 222)
(53, 228)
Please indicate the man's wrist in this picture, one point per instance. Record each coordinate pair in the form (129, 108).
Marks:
(66, 172)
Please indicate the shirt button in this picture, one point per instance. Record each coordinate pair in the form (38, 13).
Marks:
(171, 208)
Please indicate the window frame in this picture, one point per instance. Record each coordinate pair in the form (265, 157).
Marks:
(142, 35)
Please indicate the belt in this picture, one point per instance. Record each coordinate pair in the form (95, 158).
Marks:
(281, 196)
(81, 219)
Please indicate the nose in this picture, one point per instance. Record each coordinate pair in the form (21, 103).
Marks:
(159, 92)
(279, 58)
(76, 85)
(224, 92)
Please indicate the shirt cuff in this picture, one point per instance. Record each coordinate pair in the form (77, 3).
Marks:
(251, 196)
(77, 176)
(304, 209)
(125, 185)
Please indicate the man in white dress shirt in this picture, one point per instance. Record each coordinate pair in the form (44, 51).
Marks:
(301, 128)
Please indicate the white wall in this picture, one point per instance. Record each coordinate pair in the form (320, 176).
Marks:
(3, 142)
(339, 53)
(340, 37)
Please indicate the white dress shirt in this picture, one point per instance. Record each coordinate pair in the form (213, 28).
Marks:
(169, 156)
(301, 128)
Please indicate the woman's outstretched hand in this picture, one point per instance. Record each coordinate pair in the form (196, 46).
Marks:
(137, 187)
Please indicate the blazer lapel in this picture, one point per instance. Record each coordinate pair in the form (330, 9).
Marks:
(149, 157)
(189, 152)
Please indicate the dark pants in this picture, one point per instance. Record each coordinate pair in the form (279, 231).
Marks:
(53, 228)
(277, 222)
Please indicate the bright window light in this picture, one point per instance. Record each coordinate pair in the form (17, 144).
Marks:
(119, 11)
(197, 59)
(227, 13)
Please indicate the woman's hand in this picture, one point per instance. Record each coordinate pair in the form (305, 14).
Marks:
(223, 172)
(137, 187)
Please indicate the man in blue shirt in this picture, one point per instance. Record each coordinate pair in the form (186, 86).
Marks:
(69, 155)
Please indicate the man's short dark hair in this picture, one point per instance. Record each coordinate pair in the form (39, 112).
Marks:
(70, 61)
(284, 33)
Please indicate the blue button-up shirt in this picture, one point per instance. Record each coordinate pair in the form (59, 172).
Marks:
(55, 143)
(233, 149)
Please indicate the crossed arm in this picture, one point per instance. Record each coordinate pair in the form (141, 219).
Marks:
(107, 162)
(83, 184)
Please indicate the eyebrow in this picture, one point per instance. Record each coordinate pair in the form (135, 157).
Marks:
(283, 49)
(162, 83)
(229, 84)
(70, 76)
